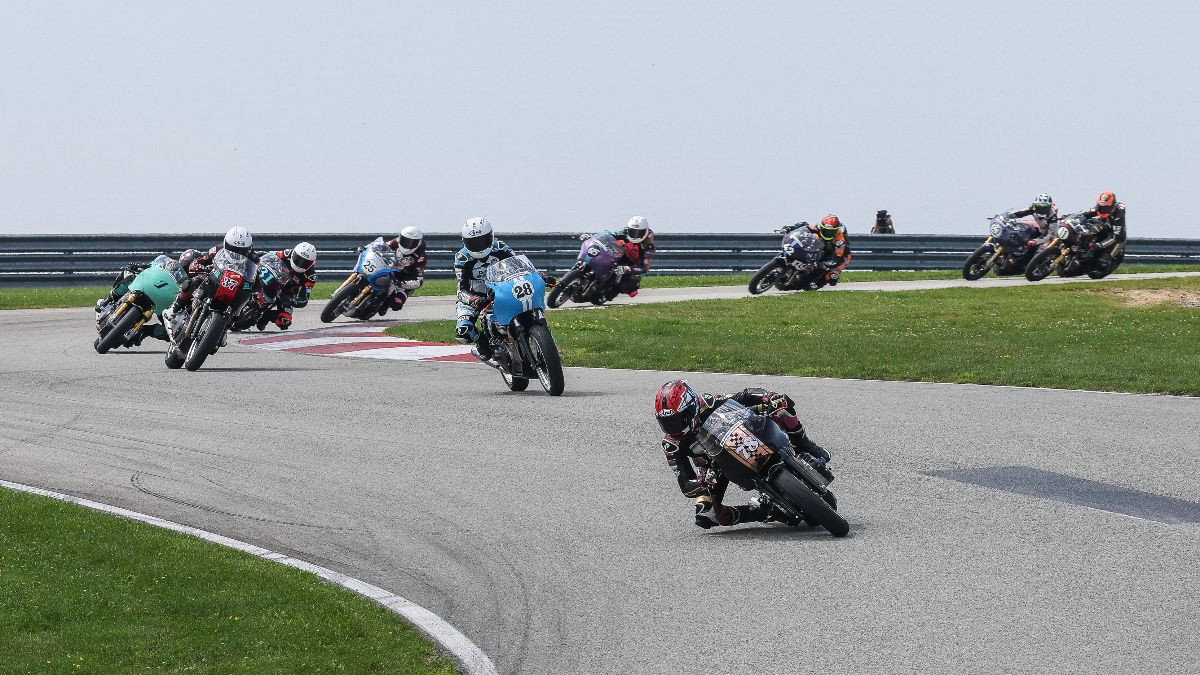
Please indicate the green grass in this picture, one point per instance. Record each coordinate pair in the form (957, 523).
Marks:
(86, 296)
(85, 591)
(1073, 336)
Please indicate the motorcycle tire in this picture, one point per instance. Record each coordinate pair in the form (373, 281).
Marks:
(809, 503)
(1116, 262)
(549, 370)
(336, 305)
(1039, 265)
(764, 278)
(116, 334)
(972, 270)
(564, 289)
(174, 358)
(513, 382)
(206, 343)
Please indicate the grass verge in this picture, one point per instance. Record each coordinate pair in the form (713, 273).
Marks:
(1120, 336)
(86, 296)
(81, 590)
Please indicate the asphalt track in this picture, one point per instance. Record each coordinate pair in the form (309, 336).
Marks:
(551, 533)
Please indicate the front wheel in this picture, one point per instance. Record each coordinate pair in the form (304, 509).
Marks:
(1041, 264)
(564, 290)
(977, 265)
(337, 304)
(764, 278)
(116, 332)
(545, 360)
(207, 342)
(174, 358)
(809, 503)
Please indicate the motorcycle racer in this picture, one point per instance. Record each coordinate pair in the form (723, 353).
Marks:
(836, 255)
(300, 262)
(1044, 212)
(681, 410)
(407, 275)
(237, 240)
(120, 286)
(637, 245)
(1111, 214)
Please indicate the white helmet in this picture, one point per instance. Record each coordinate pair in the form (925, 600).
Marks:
(303, 257)
(238, 240)
(636, 229)
(409, 240)
(477, 237)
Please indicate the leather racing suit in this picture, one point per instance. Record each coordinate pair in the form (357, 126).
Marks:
(636, 258)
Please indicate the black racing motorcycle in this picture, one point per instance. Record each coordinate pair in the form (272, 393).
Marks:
(1072, 251)
(273, 282)
(1007, 250)
(796, 268)
(752, 452)
(226, 289)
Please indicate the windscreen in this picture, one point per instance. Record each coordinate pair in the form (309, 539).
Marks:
(510, 268)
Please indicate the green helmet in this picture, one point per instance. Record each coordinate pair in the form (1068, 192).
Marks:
(1042, 204)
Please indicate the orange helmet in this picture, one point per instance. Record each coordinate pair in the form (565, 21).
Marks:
(1106, 203)
(828, 229)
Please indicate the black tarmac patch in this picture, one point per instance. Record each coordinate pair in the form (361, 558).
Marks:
(1026, 480)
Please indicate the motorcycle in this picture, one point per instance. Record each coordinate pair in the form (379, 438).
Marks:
(523, 347)
(797, 267)
(272, 279)
(150, 292)
(1006, 250)
(1070, 252)
(592, 276)
(222, 295)
(752, 452)
(356, 297)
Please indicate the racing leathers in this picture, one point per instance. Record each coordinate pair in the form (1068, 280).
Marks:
(708, 487)
(636, 258)
(835, 255)
(472, 293)
(1111, 235)
(197, 265)
(294, 294)
(1045, 222)
(401, 280)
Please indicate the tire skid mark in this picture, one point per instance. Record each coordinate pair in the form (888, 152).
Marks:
(136, 481)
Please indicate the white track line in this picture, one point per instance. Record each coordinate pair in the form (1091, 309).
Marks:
(465, 653)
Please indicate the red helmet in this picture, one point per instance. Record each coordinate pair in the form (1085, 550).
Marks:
(677, 407)
(1106, 203)
(828, 229)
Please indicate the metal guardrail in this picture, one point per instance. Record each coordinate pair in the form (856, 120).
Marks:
(73, 260)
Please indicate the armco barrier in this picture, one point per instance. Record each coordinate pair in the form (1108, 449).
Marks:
(62, 260)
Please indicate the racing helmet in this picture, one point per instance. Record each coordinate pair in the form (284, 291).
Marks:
(303, 257)
(238, 240)
(477, 237)
(677, 407)
(829, 227)
(1106, 203)
(636, 229)
(409, 240)
(1042, 204)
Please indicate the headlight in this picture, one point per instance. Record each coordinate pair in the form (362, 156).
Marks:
(996, 229)
(1064, 232)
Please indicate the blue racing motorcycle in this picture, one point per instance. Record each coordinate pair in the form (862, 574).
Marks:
(516, 326)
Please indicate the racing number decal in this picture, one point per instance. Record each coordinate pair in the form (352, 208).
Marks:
(230, 282)
(369, 266)
(746, 448)
(523, 291)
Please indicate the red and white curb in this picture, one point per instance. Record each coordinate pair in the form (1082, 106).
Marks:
(469, 657)
(363, 342)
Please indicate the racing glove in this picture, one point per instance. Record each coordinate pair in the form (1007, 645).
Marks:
(706, 516)
(283, 320)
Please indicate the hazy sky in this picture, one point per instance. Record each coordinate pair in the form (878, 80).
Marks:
(730, 116)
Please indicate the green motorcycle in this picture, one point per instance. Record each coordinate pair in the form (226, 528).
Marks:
(148, 294)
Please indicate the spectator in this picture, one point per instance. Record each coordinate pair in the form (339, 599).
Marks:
(883, 223)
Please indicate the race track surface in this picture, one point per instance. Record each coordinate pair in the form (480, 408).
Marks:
(551, 532)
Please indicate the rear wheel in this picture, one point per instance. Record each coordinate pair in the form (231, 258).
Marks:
(764, 278)
(1039, 266)
(513, 382)
(1116, 260)
(545, 360)
(337, 304)
(116, 332)
(207, 341)
(565, 289)
(977, 264)
(809, 503)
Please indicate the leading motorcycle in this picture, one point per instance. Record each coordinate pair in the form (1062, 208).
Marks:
(752, 452)
(522, 344)
(1007, 250)
(1072, 251)
(797, 267)
(150, 292)
(356, 297)
(592, 276)
(225, 290)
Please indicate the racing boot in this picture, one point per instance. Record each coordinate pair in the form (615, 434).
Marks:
(465, 332)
